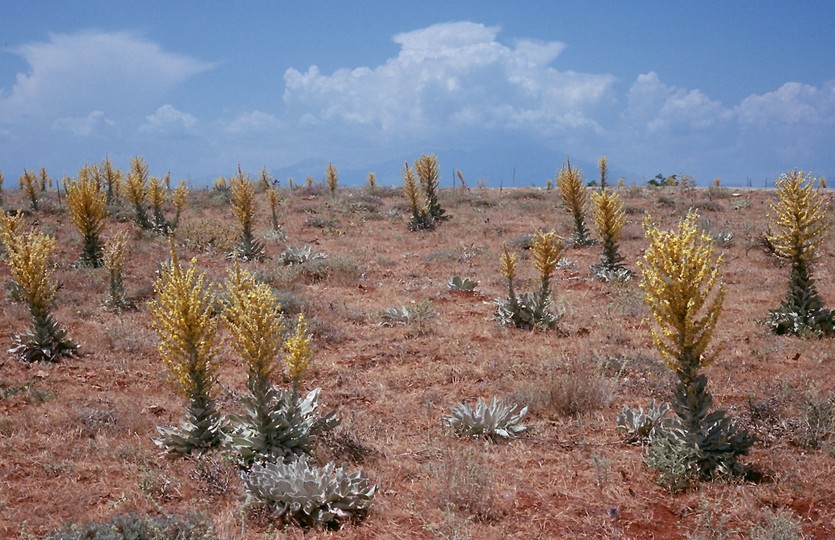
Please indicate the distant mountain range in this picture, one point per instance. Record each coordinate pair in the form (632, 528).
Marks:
(490, 166)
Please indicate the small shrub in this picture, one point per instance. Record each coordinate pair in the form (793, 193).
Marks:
(495, 421)
(637, 425)
(675, 462)
(466, 483)
(816, 425)
(295, 256)
(778, 525)
(309, 495)
(419, 315)
(136, 527)
(457, 283)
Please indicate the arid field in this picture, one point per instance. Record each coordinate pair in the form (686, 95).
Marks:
(76, 436)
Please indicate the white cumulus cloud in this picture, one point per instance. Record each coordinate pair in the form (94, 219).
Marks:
(793, 103)
(71, 74)
(170, 122)
(95, 123)
(452, 75)
(253, 123)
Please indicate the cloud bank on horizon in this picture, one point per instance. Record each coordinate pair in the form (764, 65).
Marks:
(450, 85)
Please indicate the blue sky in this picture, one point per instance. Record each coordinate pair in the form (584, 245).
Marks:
(504, 91)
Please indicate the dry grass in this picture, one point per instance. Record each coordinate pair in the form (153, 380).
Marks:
(76, 442)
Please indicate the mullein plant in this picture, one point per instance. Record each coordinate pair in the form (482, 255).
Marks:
(113, 257)
(683, 289)
(243, 207)
(801, 221)
(179, 198)
(575, 199)
(157, 196)
(136, 191)
(276, 424)
(30, 185)
(184, 318)
(372, 182)
(429, 176)
(331, 178)
(603, 166)
(530, 310)
(609, 219)
(1, 188)
(27, 255)
(87, 205)
(273, 198)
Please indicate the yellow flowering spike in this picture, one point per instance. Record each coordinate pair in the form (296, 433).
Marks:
(184, 320)
(243, 200)
(575, 199)
(156, 192)
(136, 190)
(800, 217)
(603, 165)
(254, 318)
(331, 177)
(87, 205)
(427, 170)
(273, 198)
(30, 185)
(546, 249)
(609, 216)
(508, 263)
(112, 179)
(410, 187)
(179, 198)
(299, 354)
(682, 288)
(114, 252)
(28, 257)
(372, 180)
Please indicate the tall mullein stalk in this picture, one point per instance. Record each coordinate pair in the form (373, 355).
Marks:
(167, 182)
(265, 181)
(115, 251)
(136, 191)
(253, 316)
(603, 166)
(243, 207)
(507, 265)
(179, 198)
(299, 354)
(801, 222)
(609, 218)
(420, 219)
(30, 185)
(184, 318)
(112, 178)
(683, 289)
(429, 175)
(87, 205)
(372, 182)
(575, 199)
(157, 196)
(44, 179)
(546, 249)
(27, 255)
(331, 178)
(273, 198)
(1, 188)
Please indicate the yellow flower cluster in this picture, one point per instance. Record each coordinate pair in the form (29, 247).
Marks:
(114, 252)
(546, 249)
(609, 216)
(156, 192)
(112, 178)
(243, 200)
(428, 172)
(299, 354)
(508, 263)
(30, 185)
(179, 197)
(800, 215)
(410, 187)
(331, 177)
(184, 319)
(254, 318)
(135, 190)
(572, 190)
(682, 288)
(28, 256)
(87, 203)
